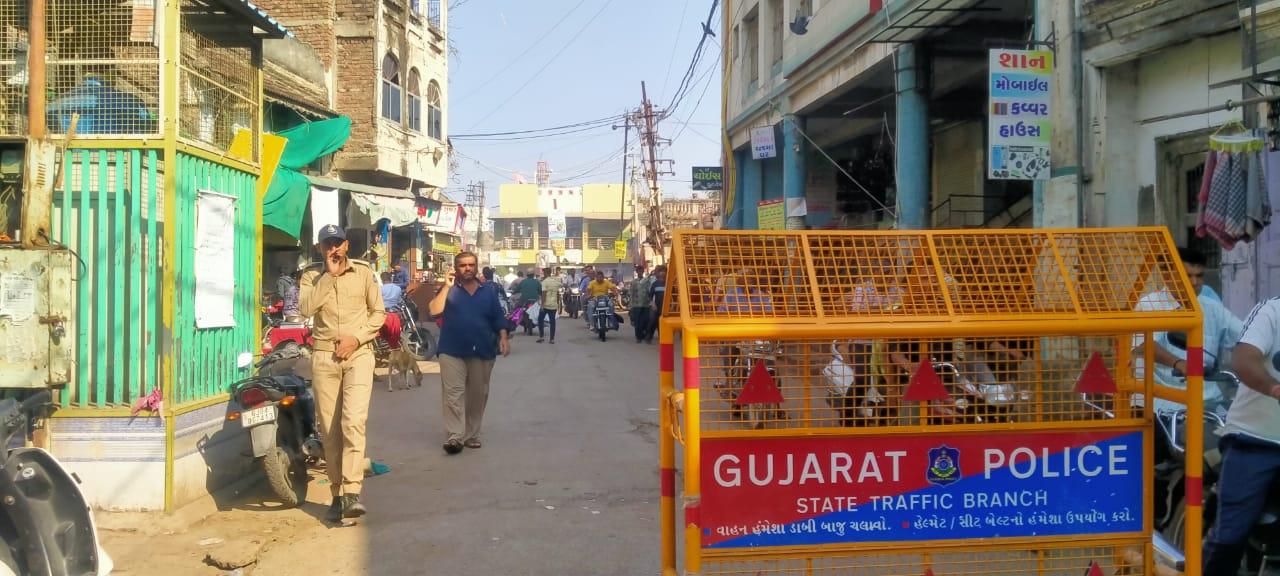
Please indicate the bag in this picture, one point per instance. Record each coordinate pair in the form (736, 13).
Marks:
(838, 376)
(534, 310)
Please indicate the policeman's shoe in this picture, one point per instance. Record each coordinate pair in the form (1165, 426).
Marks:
(351, 506)
(334, 513)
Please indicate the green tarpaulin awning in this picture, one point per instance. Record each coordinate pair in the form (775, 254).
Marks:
(285, 203)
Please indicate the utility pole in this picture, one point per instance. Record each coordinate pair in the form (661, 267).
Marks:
(653, 171)
(626, 144)
(475, 200)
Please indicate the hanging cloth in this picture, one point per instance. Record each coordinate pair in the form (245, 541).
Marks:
(1232, 196)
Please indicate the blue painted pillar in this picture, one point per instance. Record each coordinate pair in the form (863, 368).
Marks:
(752, 187)
(733, 220)
(913, 139)
(793, 168)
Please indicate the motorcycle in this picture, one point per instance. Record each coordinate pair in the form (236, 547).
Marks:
(743, 357)
(278, 411)
(572, 298)
(47, 525)
(414, 336)
(603, 316)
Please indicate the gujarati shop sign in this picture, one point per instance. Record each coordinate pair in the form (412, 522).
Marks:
(764, 492)
(1020, 125)
(708, 178)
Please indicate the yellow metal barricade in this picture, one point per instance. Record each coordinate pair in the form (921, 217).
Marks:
(911, 403)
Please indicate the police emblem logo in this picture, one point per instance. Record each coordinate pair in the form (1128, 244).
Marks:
(944, 466)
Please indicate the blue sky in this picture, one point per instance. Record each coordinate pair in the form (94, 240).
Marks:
(593, 69)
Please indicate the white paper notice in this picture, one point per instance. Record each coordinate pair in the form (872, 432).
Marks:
(215, 260)
(17, 297)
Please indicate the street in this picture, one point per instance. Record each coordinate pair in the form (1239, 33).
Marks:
(566, 482)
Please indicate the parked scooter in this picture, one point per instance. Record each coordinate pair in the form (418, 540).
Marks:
(46, 524)
(278, 410)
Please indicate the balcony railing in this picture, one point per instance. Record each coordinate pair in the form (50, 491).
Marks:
(516, 243)
(604, 243)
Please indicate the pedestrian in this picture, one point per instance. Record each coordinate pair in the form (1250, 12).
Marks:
(514, 286)
(345, 303)
(551, 285)
(391, 292)
(473, 335)
(657, 295)
(530, 290)
(400, 276)
(638, 297)
(510, 278)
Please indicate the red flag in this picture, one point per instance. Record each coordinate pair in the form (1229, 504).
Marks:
(760, 387)
(925, 385)
(1094, 569)
(1095, 379)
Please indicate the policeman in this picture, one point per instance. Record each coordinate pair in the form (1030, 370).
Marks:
(343, 298)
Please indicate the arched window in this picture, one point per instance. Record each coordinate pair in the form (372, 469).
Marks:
(415, 100)
(391, 88)
(435, 112)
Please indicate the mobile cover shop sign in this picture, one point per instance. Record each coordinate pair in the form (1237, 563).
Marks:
(1020, 107)
(809, 491)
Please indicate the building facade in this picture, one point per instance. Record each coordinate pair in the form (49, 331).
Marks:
(880, 118)
(538, 226)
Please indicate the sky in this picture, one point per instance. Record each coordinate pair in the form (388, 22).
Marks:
(519, 65)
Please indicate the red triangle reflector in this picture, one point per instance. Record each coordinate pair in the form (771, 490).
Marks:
(1094, 569)
(928, 572)
(925, 385)
(1095, 379)
(760, 387)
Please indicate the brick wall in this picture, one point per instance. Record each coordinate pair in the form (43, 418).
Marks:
(355, 95)
(311, 21)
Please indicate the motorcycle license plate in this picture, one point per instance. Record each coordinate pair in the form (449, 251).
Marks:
(259, 415)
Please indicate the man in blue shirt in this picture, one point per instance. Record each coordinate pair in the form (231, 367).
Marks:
(473, 334)
(391, 292)
(400, 276)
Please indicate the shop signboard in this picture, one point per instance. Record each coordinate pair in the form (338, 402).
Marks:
(707, 178)
(620, 250)
(1019, 111)
(762, 144)
(771, 214)
(766, 492)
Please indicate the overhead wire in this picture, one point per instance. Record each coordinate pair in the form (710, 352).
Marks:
(526, 51)
(598, 121)
(574, 37)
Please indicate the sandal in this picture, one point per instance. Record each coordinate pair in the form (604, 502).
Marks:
(472, 443)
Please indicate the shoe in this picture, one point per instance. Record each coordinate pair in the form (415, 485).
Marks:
(334, 513)
(351, 506)
(472, 443)
(553, 341)
(453, 447)
(541, 340)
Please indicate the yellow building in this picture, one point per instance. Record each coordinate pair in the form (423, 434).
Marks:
(562, 225)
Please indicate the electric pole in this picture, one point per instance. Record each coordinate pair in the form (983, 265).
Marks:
(653, 169)
(475, 200)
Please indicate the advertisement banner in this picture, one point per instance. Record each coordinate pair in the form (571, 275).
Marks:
(556, 227)
(706, 178)
(771, 214)
(1019, 114)
(762, 145)
(762, 492)
(620, 250)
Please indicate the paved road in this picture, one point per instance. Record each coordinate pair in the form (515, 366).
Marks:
(566, 482)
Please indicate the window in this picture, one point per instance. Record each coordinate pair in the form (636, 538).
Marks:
(435, 112)
(752, 61)
(415, 100)
(391, 88)
(779, 23)
(434, 11)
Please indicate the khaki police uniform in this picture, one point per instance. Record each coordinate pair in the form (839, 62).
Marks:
(349, 304)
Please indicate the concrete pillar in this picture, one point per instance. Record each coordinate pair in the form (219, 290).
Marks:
(794, 175)
(1058, 203)
(912, 156)
(752, 188)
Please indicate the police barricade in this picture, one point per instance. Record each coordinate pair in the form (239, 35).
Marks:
(920, 403)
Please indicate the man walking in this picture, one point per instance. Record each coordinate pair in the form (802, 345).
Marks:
(343, 298)
(473, 335)
(657, 293)
(551, 285)
(638, 296)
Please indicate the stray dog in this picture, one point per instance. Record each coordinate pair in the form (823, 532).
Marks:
(405, 363)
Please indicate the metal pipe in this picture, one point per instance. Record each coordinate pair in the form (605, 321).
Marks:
(35, 70)
(1229, 105)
